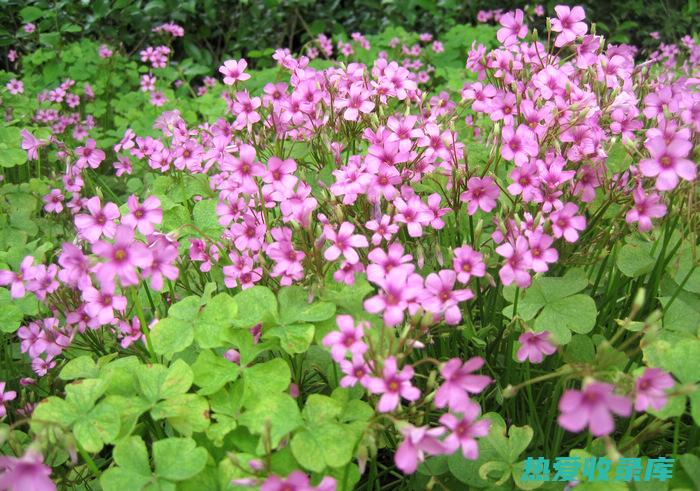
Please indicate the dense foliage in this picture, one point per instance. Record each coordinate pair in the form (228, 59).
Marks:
(221, 30)
(397, 260)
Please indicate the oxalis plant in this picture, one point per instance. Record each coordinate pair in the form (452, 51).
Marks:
(331, 279)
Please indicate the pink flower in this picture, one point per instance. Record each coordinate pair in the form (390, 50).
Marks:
(519, 145)
(568, 24)
(122, 257)
(54, 201)
(164, 254)
(27, 272)
(89, 155)
(513, 27)
(668, 162)
(343, 242)
(393, 386)
(356, 102)
(441, 299)
(540, 253)
(5, 396)
(481, 193)
(297, 481)
(15, 87)
(383, 229)
(233, 71)
(464, 431)
(348, 339)
(25, 473)
(417, 442)
(467, 263)
(355, 371)
(459, 383)
(100, 305)
(400, 289)
(651, 389)
(645, 208)
(31, 145)
(517, 263)
(143, 216)
(566, 223)
(129, 332)
(592, 407)
(534, 345)
(99, 222)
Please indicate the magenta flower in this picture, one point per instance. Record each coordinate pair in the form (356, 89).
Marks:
(540, 253)
(393, 386)
(465, 430)
(25, 473)
(348, 339)
(513, 27)
(54, 201)
(459, 383)
(592, 407)
(5, 396)
(89, 155)
(233, 71)
(480, 193)
(356, 102)
(400, 289)
(519, 144)
(418, 441)
(100, 305)
(99, 222)
(467, 263)
(122, 258)
(343, 242)
(645, 208)
(382, 228)
(143, 216)
(668, 162)
(31, 145)
(568, 24)
(355, 371)
(651, 389)
(566, 223)
(515, 268)
(441, 299)
(297, 481)
(534, 346)
(27, 272)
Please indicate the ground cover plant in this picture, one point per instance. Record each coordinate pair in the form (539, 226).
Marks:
(391, 261)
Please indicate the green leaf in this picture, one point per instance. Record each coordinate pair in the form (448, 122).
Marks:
(294, 338)
(130, 453)
(634, 260)
(81, 367)
(54, 410)
(576, 313)
(322, 445)
(255, 305)
(294, 307)
(100, 426)
(321, 409)
(31, 13)
(206, 219)
(84, 393)
(671, 351)
(178, 379)
(264, 379)
(277, 409)
(213, 322)
(177, 459)
(171, 335)
(187, 413)
(118, 479)
(186, 309)
(212, 372)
